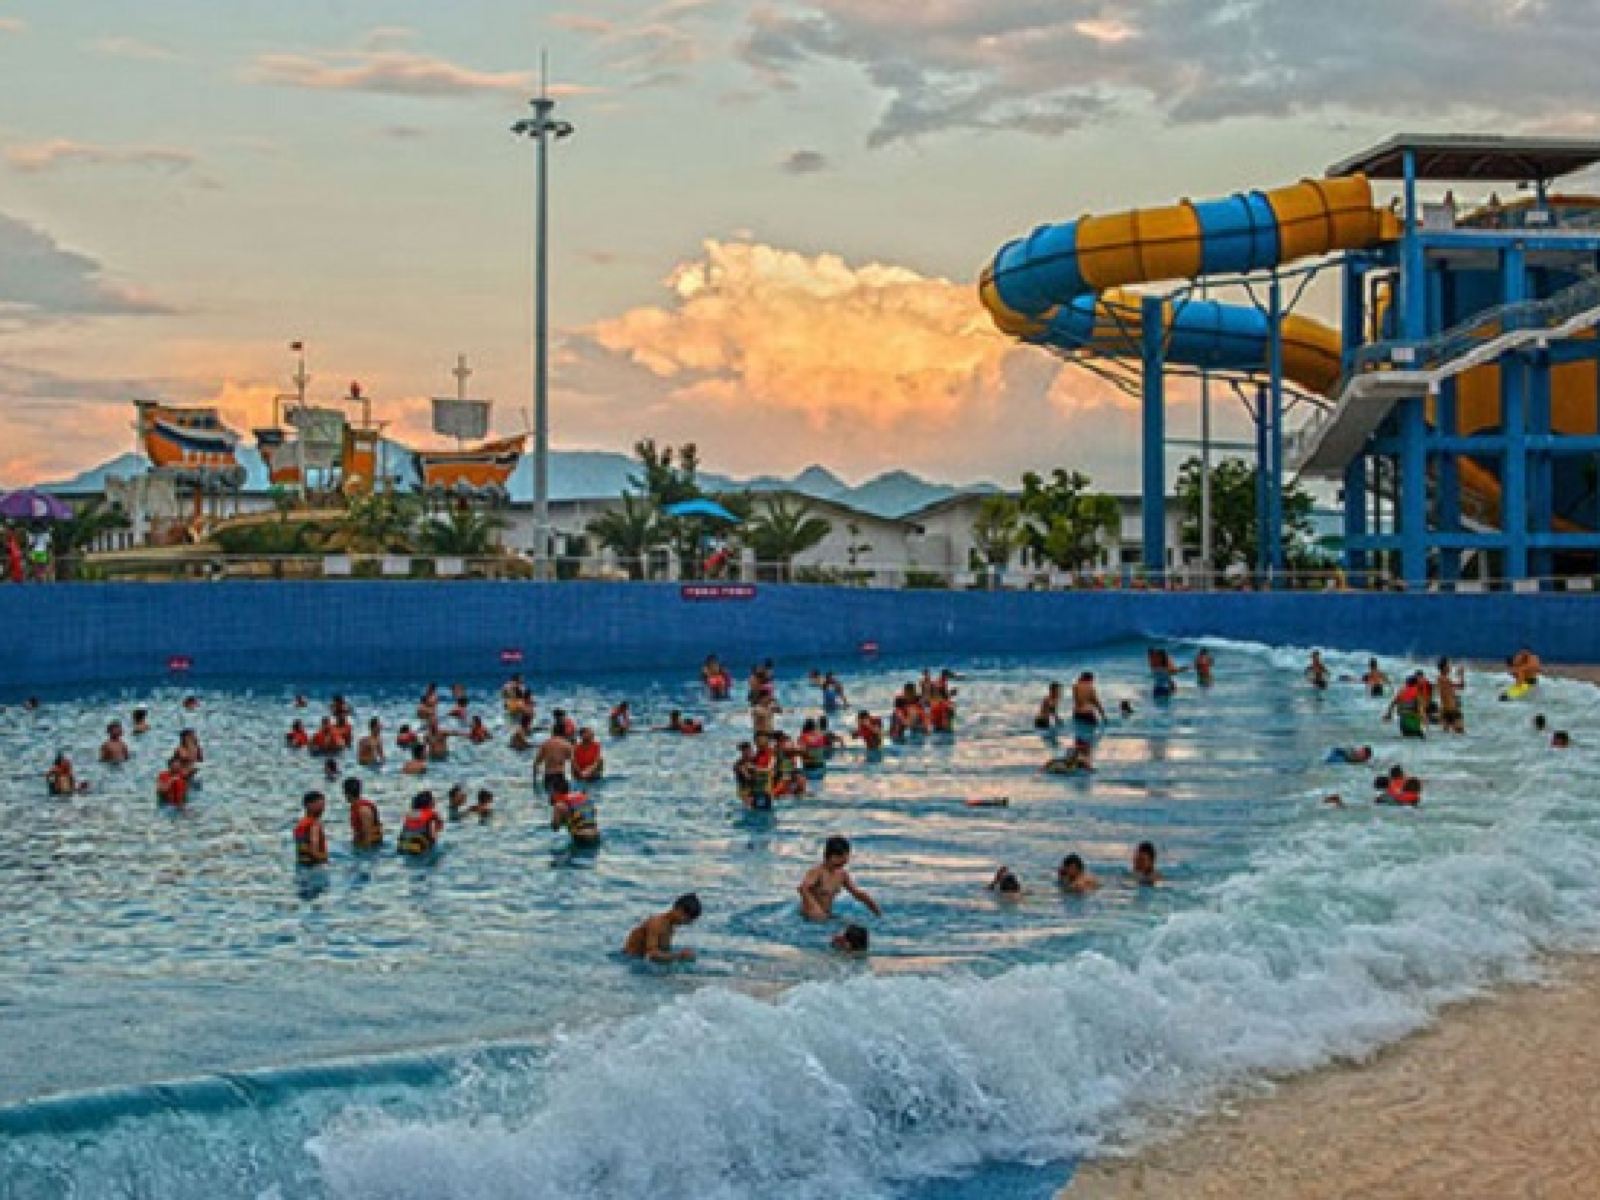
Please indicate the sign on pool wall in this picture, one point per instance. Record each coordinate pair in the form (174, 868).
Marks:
(718, 591)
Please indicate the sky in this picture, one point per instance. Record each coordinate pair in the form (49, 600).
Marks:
(765, 232)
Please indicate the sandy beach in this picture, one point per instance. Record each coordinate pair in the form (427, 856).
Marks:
(1501, 1098)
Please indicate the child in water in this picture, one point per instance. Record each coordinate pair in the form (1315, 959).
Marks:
(827, 879)
(1144, 865)
(420, 833)
(651, 939)
(852, 939)
(1074, 878)
(310, 838)
(1005, 884)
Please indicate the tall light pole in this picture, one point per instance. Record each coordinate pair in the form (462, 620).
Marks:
(543, 128)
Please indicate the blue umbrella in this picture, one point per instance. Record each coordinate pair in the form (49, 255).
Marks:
(701, 508)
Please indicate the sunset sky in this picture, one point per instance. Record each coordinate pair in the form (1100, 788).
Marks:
(766, 229)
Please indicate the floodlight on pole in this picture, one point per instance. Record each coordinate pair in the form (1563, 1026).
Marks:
(543, 128)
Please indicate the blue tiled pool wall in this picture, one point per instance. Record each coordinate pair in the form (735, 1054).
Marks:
(78, 635)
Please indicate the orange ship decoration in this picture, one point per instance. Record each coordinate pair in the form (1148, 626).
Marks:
(190, 444)
(476, 472)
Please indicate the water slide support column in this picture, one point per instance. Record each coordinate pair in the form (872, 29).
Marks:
(1355, 518)
(1274, 531)
(1153, 345)
(1541, 478)
(1263, 452)
(1446, 424)
(1514, 425)
(1413, 415)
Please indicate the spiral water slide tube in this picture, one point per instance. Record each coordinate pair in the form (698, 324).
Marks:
(1060, 287)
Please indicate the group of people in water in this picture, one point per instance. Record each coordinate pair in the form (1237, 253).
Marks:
(568, 760)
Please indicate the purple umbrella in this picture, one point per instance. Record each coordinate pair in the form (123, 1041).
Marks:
(29, 505)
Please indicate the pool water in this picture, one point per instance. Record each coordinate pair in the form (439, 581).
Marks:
(383, 1028)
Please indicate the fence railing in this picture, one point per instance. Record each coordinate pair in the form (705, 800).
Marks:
(154, 567)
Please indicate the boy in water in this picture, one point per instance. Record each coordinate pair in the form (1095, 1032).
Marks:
(651, 939)
(369, 750)
(141, 722)
(1074, 878)
(1450, 688)
(1144, 865)
(114, 749)
(1086, 707)
(827, 879)
(366, 829)
(852, 939)
(310, 838)
(574, 812)
(1005, 884)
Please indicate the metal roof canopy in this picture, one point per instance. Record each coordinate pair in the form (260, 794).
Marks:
(1473, 156)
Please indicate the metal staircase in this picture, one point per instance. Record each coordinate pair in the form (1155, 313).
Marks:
(1385, 372)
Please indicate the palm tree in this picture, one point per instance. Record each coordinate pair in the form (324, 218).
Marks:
(377, 523)
(784, 530)
(73, 537)
(630, 532)
(464, 532)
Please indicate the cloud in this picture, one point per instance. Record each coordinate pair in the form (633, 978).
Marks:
(806, 162)
(37, 157)
(12, 25)
(57, 425)
(653, 49)
(387, 72)
(41, 280)
(771, 358)
(388, 37)
(134, 48)
(1052, 66)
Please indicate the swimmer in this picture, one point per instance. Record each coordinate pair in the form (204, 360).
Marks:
(1078, 759)
(172, 785)
(764, 710)
(678, 723)
(852, 939)
(1540, 723)
(1561, 740)
(827, 879)
(1525, 667)
(813, 747)
(190, 703)
(1450, 688)
(651, 939)
(1204, 668)
(1409, 702)
(562, 725)
(1144, 865)
(483, 809)
(114, 749)
(423, 825)
(522, 735)
(588, 759)
(1086, 706)
(1317, 671)
(621, 720)
(551, 762)
(574, 812)
(189, 747)
(941, 714)
(1164, 673)
(326, 739)
(456, 801)
(1074, 878)
(428, 706)
(1354, 755)
(405, 738)
(60, 779)
(869, 731)
(141, 722)
(330, 769)
(478, 733)
(1125, 709)
(1377, 683)
(417, 764)
(366, 827)
(310, 838)
(833, 697)
(1405, 791)
(1005, 884)
(369, 750)
(719, 684)
(437, 739)
(760, 775)
(1049, 714)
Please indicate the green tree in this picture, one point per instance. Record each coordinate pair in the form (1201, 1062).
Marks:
(783, 529)
(1062, 521)
(1233, 513)
(667, 476)
(73, 537)
(464, 531)
(630, 532)
(377, 523)
(997, 530)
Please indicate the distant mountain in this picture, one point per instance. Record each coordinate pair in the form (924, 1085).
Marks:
(594, 475)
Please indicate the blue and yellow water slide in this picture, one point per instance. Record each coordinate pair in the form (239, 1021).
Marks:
(1060, 287)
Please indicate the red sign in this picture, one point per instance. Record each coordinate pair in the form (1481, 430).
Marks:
(719, 591)
(179, 663)
(511, 657)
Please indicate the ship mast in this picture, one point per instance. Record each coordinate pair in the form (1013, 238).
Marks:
(462, 374)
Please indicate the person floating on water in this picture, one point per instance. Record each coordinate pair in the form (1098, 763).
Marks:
(1144, 865)
(1398, 788)
(1049, 715)
(678, 723)
(1164, 672)
(1410, 703)
(114, 749)
(575, 813)
(823, 883)
(366, 827)
(1450, 688)
(1005, 884)
(1086, 707)
(1354, 755)
(1375, 681)
(1074, 878)
(1076, 761)
(419, 835)
(310, 838)
(852, 939)
(651, 939)
(1317, 671)
(588, 758)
